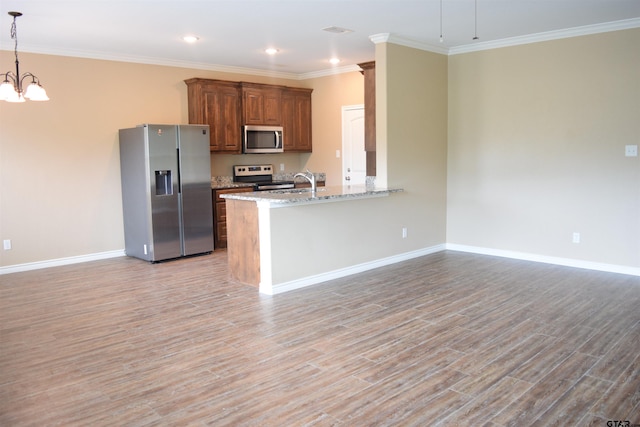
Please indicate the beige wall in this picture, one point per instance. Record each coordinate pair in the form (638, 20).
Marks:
(536, 148)
(412, 139)
(330, 94)
(59, 160)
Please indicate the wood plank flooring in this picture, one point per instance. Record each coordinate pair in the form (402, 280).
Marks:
(447, 339)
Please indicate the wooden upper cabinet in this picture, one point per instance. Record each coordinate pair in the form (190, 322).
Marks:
(369, 72)
(226, 106)
(217, 103)
(261, 104)
(296, 120)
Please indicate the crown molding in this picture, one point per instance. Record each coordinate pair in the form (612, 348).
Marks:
(392, 38)
(329, 72)
(158, 61)
(625, 24)
(188, 64)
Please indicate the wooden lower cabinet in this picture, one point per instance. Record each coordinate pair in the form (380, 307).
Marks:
(308, 184)
(220, 214)
(243, 254)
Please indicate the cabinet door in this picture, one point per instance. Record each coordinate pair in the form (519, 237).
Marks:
(272, 107)
(220, 214)
(262, 106)
(217, 103)
(296, 120)
(303, 122)
(369, 72)
(288, 119)
(222, 105)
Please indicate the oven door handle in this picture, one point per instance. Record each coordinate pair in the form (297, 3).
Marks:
(263, 187)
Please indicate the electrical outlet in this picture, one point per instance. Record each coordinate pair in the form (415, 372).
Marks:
(281, 167)
(7, 244)
(337, 154)
(631, 150)
(404, 232)
(576, 237)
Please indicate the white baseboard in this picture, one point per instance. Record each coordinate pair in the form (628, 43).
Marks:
(60, 261)
(347, 271)
(336, 274)
(567, 262)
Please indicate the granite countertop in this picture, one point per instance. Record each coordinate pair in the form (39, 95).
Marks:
(305, 196)
(218, 182)
(226, 182)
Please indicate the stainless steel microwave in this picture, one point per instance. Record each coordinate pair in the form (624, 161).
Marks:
(262, 139)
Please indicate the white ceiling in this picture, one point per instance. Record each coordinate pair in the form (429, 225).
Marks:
(234, 33)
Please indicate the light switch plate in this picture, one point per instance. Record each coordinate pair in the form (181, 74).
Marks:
(631, 150)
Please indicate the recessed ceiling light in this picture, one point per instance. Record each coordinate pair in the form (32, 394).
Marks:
(337, 30)
(271, 50)
(334, 61)
(190, 39)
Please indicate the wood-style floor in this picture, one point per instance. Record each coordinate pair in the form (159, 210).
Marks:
(446, 339)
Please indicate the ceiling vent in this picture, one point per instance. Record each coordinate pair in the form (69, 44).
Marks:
(337, 30)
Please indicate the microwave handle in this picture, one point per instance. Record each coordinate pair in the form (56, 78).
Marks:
(278, 141)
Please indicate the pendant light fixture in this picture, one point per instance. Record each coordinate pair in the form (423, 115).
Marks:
(475, 33)
(11, 89)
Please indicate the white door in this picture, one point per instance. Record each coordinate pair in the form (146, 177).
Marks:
(354, 158)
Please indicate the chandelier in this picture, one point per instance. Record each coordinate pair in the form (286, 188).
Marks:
(11, 89)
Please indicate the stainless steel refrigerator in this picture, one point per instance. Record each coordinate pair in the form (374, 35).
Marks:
(166, 191)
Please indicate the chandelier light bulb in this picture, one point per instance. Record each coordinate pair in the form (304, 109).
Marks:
(15, 97)
(35, 92)
(7, 90)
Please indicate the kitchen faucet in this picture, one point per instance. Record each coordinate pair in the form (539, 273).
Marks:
(309, 176)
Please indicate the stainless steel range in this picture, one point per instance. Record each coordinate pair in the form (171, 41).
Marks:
(261, 176)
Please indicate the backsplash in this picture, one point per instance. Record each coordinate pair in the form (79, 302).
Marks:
(227, 181)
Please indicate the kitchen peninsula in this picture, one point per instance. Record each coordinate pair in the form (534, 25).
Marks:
(277, 239)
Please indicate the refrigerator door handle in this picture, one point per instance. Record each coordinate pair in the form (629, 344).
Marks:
(179, 171)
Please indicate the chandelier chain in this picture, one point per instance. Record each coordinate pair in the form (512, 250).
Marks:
(14, 37)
